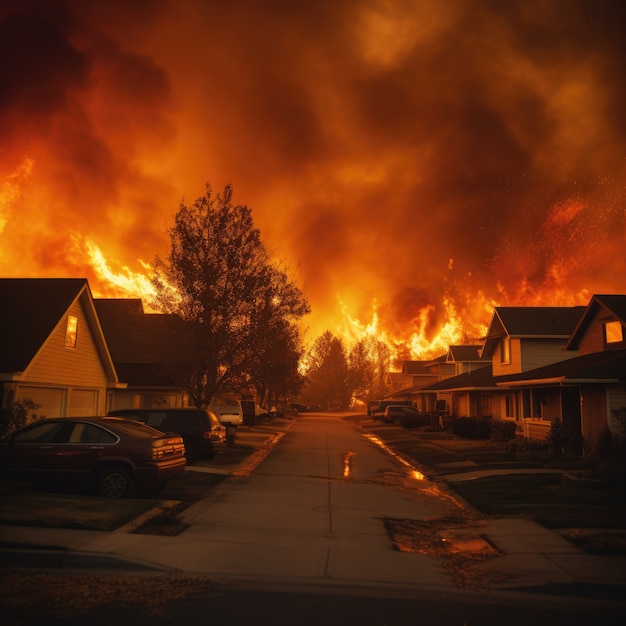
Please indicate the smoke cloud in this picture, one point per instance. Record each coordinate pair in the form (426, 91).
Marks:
(404, 154)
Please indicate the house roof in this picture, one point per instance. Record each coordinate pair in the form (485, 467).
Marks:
(134, 336)
(614, 304)
(463, 353)
(596, 367)
(32, 308)
(531, 323)
(421, 368)
(142, 344)
(479, 379)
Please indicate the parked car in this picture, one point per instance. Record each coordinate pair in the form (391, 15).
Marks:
(201, 430)
(406, 416)
(227, 412)
(113, 454)
(300, 408)
(376, 407)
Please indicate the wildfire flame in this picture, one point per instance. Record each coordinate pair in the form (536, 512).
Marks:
(462, 316)
(443, 163)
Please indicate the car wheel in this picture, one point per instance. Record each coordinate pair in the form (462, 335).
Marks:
(396, 421)
(115, 482)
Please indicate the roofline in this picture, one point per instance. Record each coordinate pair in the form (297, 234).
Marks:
(84, 296)
(455, 389)
(559, 380)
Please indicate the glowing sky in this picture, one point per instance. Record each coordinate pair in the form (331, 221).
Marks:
(432, 157)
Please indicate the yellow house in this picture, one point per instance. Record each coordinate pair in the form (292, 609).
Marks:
(52, 348)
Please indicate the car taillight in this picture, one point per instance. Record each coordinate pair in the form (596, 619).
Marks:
(213, 434)
(167, 448)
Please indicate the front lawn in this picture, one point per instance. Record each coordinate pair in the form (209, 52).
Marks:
(548, 499)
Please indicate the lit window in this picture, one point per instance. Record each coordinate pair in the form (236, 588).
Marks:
(614, 332)
(505, 350)
(71, 332)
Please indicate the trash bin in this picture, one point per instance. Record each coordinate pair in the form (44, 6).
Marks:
(231, 432)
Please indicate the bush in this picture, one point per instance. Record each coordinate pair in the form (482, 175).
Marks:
(472, 427)
(558, 442)
(609, 459)
(17, 414)
(529, 450)
(503, 431)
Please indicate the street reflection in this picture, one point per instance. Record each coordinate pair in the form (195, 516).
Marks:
(347, 463)
(416, 474)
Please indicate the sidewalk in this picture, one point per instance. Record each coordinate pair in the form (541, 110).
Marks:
(340, 541)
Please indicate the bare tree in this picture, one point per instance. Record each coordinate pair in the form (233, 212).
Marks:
(219, 281)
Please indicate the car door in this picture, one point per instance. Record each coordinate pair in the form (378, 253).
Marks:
(80, 453)
(32, 452)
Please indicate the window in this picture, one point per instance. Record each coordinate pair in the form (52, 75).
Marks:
(55, 432)
(71, 332)
(510, 406)
(613, 332)
(505, 350)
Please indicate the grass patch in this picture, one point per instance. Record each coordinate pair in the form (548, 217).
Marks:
(22, 505)
(548, 499)
(77, 511)
(190, 486)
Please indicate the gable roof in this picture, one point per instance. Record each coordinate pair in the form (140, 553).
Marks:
(528, 322)
(142, 344)
(134, 336)
(463, 353)
(478, 379)
(32, 308)
(615, 304)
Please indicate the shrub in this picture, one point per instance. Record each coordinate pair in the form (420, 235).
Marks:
(503, 431)
(531, 450)
(558, 441)
(609, 459)
(472, 427)
(17, 414)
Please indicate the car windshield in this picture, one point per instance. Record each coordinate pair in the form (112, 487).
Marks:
(135, 429)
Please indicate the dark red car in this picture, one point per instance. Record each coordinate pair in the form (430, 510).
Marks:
(114, 455)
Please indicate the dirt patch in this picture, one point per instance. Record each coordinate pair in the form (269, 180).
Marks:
(63, 596)
(457, 541)
(601, 541)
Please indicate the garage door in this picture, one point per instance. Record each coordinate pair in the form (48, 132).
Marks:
(50, 400)
(83, 402)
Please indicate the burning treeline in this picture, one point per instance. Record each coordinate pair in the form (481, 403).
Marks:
(414, 162)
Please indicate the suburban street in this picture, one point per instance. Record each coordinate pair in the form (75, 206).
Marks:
(303, 536)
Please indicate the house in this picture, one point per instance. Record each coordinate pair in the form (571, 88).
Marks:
(550, 364)
(520, 339)
(142, 347)
(465, 358)
(53, 350)
(586, 392)
(469, 394)
(420, 375)
(426, 375)
(395, 382)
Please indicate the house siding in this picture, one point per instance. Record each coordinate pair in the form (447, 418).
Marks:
(515, 365)
(79, 368)
(539, 352)
(593, 339)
